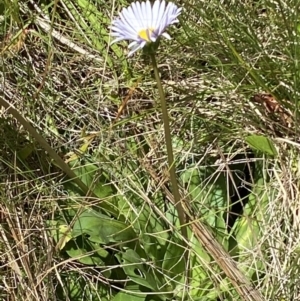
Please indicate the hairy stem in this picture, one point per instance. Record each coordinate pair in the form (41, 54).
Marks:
(171, 163)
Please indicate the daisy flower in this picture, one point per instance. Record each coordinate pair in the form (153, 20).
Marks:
(143, 23)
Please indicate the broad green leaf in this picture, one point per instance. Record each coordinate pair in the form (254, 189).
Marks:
(247, 231)
(247, 234)
(220, 230)
(262, 143)
(132, 293)
(154, 249)
(172, 215)
(89, 175)
(174, 263)
(125, 209)
(200, 283)
(85, 253)
(154, 236)
(92, 176)
(208, 190)
(137, 271)
(203, 290)
(248, 228)
(102, 229)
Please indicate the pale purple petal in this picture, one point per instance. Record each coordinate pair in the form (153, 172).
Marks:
(125, 19)
(117, 40)
(132, 17)
(139, 15)
(155, 10)
(132, 44)
(143, 16)
(160, 14)
(136, 48)
(167, 19)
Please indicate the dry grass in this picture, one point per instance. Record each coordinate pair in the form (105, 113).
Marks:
(71, 94)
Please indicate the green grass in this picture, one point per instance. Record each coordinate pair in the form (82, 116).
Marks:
(236, 155)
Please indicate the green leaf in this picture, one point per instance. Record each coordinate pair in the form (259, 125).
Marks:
(92, 176)
(131, 294)
(208, 190)
(262, 144)
(200, 281)
(220, 230)
(152, 228)
(85, 253)
(89, 175)
(136, 270)
(174, 263)
(102, 229)
(247, 230)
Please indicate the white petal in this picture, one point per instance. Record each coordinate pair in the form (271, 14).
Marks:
(153, 38)
(160, 14)
(144, 15)
(132, 44)
(136, 48)
(164, 21)
(139, 45)
(119, 29)
(117, 40)
(138, 15)
(166, 35)
(125, 17)
(155, 9)
(132, 18)
(149, 14)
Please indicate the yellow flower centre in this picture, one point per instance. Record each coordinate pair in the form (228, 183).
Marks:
(145, 34)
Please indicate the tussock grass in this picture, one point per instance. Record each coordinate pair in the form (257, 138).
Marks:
(70, 84)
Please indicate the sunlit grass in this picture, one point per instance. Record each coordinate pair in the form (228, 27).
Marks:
(70, 84)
